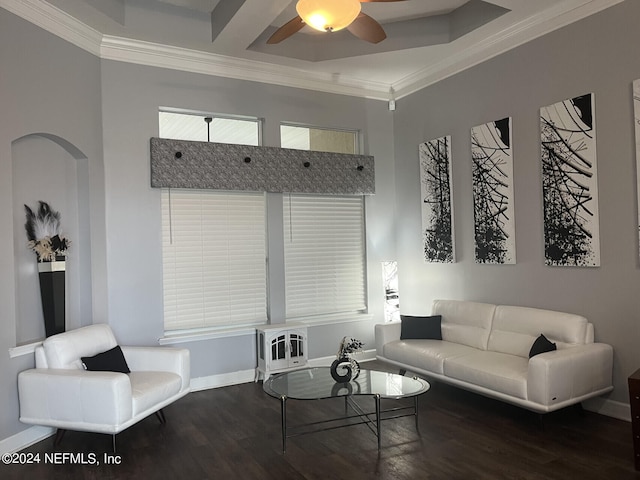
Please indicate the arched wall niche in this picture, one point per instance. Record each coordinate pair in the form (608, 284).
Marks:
(50, 168)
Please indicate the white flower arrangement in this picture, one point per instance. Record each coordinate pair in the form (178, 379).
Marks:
(43, 232)
(349, 346)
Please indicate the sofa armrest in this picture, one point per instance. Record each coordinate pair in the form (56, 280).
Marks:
(160, 359)
(573, 372)
(385, 333)
(50, 396)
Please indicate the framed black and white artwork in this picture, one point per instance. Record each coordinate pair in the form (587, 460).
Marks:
(636, 115)
(570, 183)
(493, 209)
(436, 199)
(391, 294)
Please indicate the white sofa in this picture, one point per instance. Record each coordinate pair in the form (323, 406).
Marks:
(60, 393)
(485, 349)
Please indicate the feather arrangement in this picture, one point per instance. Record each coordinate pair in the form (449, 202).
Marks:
(43, 232)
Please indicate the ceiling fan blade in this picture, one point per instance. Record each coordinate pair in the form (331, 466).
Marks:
(366, 28)
(285, 31)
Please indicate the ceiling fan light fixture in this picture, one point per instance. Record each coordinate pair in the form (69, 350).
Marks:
(328, 15)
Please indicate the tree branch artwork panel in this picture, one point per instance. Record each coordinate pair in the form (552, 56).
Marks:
(437, 211)
(636, 115)
(569, 183)
(492, 168)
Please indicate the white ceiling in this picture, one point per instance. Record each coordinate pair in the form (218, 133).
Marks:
(427, 39)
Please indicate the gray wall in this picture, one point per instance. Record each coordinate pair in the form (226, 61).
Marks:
(101, 115)
(50, 120)
(599, 55)
(132, 95)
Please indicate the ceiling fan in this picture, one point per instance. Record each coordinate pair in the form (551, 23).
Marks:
(331, 16)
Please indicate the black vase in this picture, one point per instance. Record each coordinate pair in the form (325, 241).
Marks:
(344, 369)
(52, 294)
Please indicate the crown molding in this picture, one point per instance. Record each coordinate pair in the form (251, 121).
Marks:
(61, 24)
(518, 34)
(195, 61)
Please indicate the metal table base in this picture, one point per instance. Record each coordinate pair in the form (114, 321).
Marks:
(374, 423)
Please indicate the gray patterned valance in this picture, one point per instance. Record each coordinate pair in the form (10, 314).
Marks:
(221, 166)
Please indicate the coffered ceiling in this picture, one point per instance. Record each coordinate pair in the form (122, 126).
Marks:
(427, 40)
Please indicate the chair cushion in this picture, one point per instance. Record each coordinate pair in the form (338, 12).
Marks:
(151, 388)
(65, 350)
(467, 323)
(499, 372)
(516, 328)
(110, 361)
(428, 355)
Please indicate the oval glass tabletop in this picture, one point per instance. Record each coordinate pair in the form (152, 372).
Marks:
(317, 383)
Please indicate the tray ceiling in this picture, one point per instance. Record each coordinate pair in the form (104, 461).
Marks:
(427, 40)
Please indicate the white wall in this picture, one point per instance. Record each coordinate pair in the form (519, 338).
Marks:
(597, 55)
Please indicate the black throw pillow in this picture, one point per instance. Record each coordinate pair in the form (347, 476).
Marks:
(421, 327)
(541, 345)
(110, 361)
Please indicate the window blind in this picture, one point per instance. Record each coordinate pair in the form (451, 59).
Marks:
(324, 255)
(214, 259)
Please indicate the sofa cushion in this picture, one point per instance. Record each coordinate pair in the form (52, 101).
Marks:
(64, 350)
(424, 354)
(420, 327)
(151, 388)
(516, 328)
(466, 323)
(499, 372)
(110, 361)
(541, 345)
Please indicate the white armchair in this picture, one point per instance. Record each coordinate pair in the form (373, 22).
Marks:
(60, 393)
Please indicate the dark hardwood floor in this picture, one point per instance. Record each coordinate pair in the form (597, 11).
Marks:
(234, 433)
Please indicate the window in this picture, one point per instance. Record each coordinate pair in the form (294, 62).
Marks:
(213, 243)
(324, 238)
(181, 126)
(318, 139)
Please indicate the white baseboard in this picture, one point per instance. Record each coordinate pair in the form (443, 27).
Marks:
(222, 380)
(25, 438)
(247, 376)
(610, 408)
(364, 356)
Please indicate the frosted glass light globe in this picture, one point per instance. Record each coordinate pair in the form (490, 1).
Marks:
(328, 15)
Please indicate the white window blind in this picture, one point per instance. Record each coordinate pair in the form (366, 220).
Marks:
(324, 255)
(214, 266)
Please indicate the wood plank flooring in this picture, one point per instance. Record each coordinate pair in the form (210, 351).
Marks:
(234, 433)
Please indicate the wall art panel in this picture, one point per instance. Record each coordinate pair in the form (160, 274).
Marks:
(570, 183)
(636, 110)
(494, 219)
(437, 208)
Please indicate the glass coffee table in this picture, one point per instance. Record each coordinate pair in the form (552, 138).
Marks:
(317, 384)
